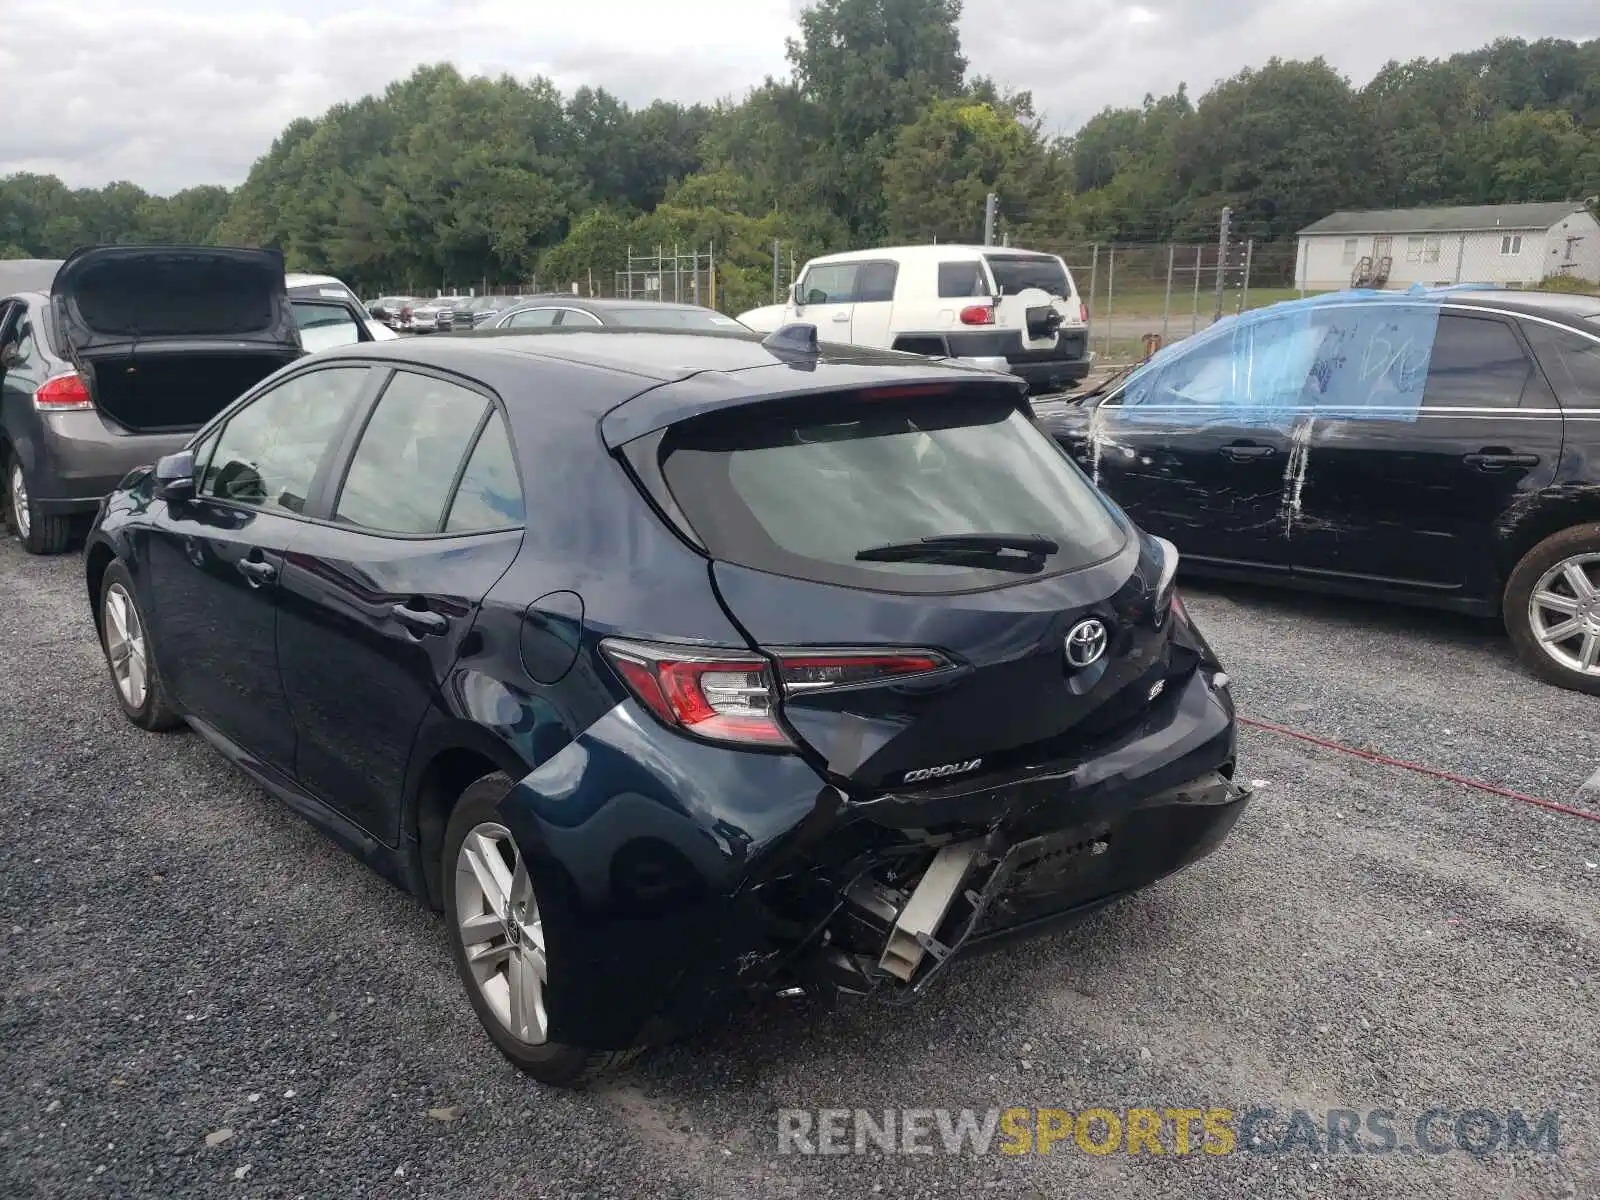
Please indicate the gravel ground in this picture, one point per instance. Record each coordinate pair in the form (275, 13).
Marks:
(181, 956)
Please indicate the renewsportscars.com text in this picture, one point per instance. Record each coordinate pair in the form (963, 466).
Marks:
(1163, 1131)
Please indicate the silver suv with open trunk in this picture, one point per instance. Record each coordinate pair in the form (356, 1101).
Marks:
(111, 359)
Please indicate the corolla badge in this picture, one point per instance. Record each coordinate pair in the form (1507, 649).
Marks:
(1086, 642)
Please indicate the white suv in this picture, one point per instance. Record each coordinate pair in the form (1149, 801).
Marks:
(1009, 309)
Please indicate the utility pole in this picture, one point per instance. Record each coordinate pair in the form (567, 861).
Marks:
(991, 209)
(777, 247)
(1222, 256)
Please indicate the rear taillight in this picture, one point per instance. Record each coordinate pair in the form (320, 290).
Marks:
(63, 393)
(1083, 313)
(725, 695)
(978, 314)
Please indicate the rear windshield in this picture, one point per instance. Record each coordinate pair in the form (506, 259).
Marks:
(802, 491)
(1014, 272)
(671, 318)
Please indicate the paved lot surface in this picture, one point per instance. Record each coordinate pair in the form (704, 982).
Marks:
(179, 955)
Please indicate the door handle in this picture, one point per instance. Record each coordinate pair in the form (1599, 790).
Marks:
(1243, 451)
(844, 316)
(257, 571)
(1494, 459)
(419, 621)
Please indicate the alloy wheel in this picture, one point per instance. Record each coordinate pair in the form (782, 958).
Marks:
(19, 502)
(125, 646)
(1564, 613)
(502, 932)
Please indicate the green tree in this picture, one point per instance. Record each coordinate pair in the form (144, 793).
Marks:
(945, 163)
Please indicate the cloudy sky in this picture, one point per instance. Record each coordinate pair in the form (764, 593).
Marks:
(170, 93)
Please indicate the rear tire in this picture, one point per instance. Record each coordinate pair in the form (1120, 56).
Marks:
(1552, 609)
(499, 957)
(38, 532)
(124, 636)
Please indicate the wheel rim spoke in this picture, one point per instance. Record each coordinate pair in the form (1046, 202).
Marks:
(482, 928)
(1556, 602)
(1589, 656)
(1561, 632)
(116, 609)
(527, 996)
(1577, 578)
(483, 859)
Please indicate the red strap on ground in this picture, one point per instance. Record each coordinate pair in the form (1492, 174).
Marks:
(1567, 809)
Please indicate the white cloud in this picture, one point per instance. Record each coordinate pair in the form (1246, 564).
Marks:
(171, 93)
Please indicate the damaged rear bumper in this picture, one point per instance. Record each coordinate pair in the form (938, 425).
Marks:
(680, 875)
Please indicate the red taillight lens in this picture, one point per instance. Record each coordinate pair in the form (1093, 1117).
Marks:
(730, 695)
(720, 695)
(1083, 312)
(63, 393)
(978, 314)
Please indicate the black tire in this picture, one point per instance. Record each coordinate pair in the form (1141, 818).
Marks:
(46, 534)
(155, 712)
(551, 1063)
(1569, 543)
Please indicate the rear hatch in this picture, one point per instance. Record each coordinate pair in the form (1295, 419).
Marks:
(1039, 297)
(1037, 625)
(168, 335)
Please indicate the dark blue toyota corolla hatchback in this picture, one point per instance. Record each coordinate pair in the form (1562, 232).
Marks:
(672, 666)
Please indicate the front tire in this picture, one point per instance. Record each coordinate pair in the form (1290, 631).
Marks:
(497, 931)
(135, 677)
(1552, 609)
(38, 532)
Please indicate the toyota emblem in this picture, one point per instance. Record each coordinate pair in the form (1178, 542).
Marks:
(1086, 642)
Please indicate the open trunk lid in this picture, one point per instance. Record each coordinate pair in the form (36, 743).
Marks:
(1051, 629)
(109, 300)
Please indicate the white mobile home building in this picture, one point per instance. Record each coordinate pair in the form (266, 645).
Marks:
(1486, 243)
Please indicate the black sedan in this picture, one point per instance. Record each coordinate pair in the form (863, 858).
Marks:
(570, 312)
(1436, 448)
(746, 666)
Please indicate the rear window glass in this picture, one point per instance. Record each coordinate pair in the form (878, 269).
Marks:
(1015, 272)
(803, 491)
(962, 279)
(1572, 362)
(671, 318)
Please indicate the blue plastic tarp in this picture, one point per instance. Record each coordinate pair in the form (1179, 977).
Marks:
(1356, 354)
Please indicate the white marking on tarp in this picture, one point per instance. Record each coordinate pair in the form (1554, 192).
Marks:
(1594, 783)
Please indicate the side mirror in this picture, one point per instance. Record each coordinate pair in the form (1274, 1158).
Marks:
(175, 476)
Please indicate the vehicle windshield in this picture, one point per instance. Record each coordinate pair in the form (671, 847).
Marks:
(670, 317)
(1015, 272)
(804, 490)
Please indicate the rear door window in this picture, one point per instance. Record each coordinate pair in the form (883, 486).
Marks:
(875, 282)
(1477, 363)
(268, 452)
(803, 490)
(1571, 360)
(1015, 272)
(409, 455)
(489, 496)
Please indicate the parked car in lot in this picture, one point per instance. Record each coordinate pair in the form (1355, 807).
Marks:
(747, 665)
(306, 292)
(1009, 310)
(393, 311)
(114, 357)
(434, 316)
(1437, 448)
(484, 309)
(570, 312)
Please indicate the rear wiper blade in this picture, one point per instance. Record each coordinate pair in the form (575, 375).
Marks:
(1015, 551)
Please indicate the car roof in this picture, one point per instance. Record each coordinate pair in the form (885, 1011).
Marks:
(944, 252)
(624, 362)
(1570, 305)
(603, 303)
